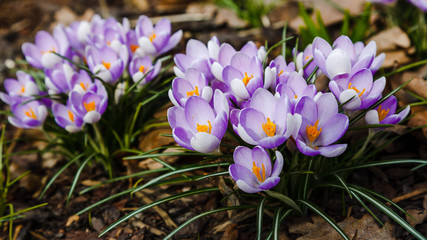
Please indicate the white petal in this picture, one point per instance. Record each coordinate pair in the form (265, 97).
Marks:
(353, 104)
(207, 93)
(371, 117)
(270, 76)
(337, 62)
(204, 142)
(293, 124)
(239, 88)
(92, 117)
(50, 59)
(216, 69)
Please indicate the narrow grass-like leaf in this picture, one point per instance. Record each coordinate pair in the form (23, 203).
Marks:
(284, 215)
(285, 27)
(17, 178)
(276, 223)
(105, 200)
(260, 217)
(406, 67)
(342, 182)
(345, 23)
(386, 210)
(312, 74)
(275, 46)
(167, 154)
(367, 208)
(155, 203)
(206, 214)
(77, 176)
(288, 201)
(75, 159)
(371, 126)
(14, 214)
(319, 212)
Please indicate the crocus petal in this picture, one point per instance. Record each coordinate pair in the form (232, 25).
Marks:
(278, 165)
(269, 183)
(306, 150)
(332, 150)
(372, 117)
(246, 187)
(242, 156)
(333, 130)
(355, 101)
(182, 137)
(92, 117)
(204, 142)
(337, 63)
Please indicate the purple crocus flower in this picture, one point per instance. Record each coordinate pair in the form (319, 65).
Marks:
(421, 4)
(361, 89)
(385, 113)
(41, 54)
(29, 115)
(105, 63)
(321, 126)
(264, 120)
(83, 83)
(142, 69)
(341, 61)
(197, 56)
(198, 126)
(66, 118)
(22, 87)
(295, 89)
(194, 84)
(154, 41)
(90, 105)
(61, 78)
(77, 33)
(280, 71)
(306, 58)
(244, 75)
(252, 170)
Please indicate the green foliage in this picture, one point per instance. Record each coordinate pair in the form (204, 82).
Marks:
(250, 10)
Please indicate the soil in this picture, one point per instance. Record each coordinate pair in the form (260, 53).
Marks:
(57, 220)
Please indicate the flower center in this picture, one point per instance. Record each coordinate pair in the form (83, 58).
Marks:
(382, 113)
(308, 57)
(89, 106)
(152, 37)
(133, 48)
(280, 73)
(107, 65)
(84, 86)
(296, 96)
(30, 113)
(269, 128)
(312, 132)
(22, 90)
(71, 116)
(357, 90)
(257, 171)
(49, 51)
(141, 68)
(195, 91)
(204, 128)
(246, 79)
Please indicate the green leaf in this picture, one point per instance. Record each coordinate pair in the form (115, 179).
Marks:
(342, 182)
(206, 214)
(288, 201)
(276, 223)
(77, 176)
(319, 212)
(284, 215)
(155, 203)
(260, 217)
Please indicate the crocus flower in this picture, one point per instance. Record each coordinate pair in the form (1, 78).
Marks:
(197, 55)
(66, 118)
(252, 169)
(244, 75)
(194, 84)
(198, 126)
(264, 120)
(321, 126)
(421, 4)
(142, 69)
(91, 104)
(154, 41)
(385, 113)
(83, 83)
(359, 92)
(77, 33)
(281, 72)
(41, 54)
(105, 63)
(29, 115)
(23, 86)
(61, 78)
(305, 58)
(295, 89)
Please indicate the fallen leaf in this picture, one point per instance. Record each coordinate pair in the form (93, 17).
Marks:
(390, 39)
(418, 216)
(319, 229)
(229, 17)
(71, 220)
(395, 58)
(90, 183)
(230, 232)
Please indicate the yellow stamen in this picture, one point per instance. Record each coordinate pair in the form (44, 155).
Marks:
(107, 65)
(49, 51)
(296, 96)
(83, 86)
(269, 128)
(22, 90)
(312, 132)
(89, 106)
(152, 37)
(280, 73)
(382, 113)
(71, 116)
(308, 57)
(256, 170)
(194, 92)
(141, 68)
(355, 89)
(108, 43)
(204, 128)
(30, 113)
(133, 48)
(246, 79)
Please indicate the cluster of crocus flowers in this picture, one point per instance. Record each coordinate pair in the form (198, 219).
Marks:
(108, 51)
(272, 104)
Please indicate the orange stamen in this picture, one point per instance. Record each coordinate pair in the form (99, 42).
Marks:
(296, 96)
(83, 86)
(256, 170)
(269, 128)
(280, 73)
(133, 48)
(312, 132)
(141, 68)
(107, 65)
(30, 113)
(89, 106)
(382, 113)
(357, 90)
(194, 92)
(71, 116)
(204, 128)
(152, 37)
(22, 90)
(246, 79)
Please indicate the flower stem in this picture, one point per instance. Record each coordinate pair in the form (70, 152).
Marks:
(371, 134)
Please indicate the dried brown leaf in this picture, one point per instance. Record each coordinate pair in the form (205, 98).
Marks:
(364, 228)
(391, 39)
(418, 216)
(71, 220)
(230, 232)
